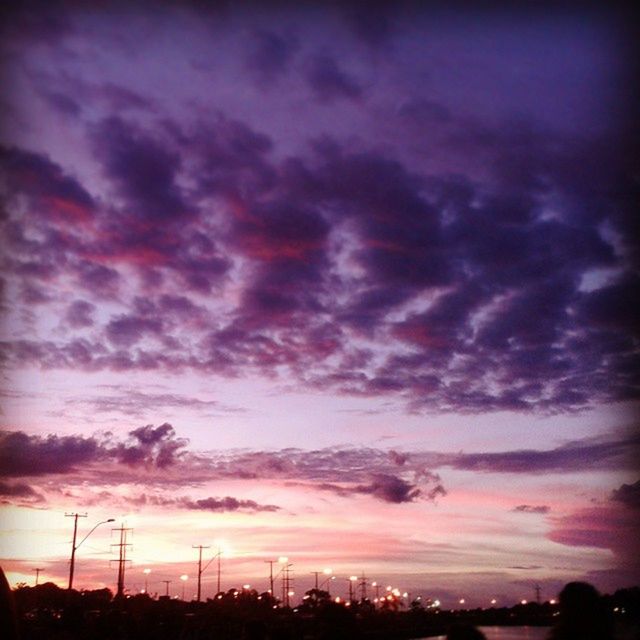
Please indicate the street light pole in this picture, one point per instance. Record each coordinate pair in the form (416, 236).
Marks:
(72, 564)
(206, 566)
(74, 546)
(200, 547)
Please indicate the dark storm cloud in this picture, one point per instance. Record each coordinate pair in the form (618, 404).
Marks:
(329, 82)
(529, 508)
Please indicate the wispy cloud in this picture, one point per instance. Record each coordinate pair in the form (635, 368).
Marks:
(529, 508)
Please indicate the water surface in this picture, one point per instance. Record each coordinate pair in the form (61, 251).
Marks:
(510, 633)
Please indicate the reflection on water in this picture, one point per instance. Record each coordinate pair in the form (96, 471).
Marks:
(511, 633)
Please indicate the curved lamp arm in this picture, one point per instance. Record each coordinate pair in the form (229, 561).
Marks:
(92, 530)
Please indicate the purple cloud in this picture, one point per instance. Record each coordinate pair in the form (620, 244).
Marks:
(102, 281)
(270, 55)
(142, 169)
(573, 456)
(17, 490)
(628, 495)
(529, 508)
(52, 193)
(125, 331)
(152, 446)
(22, 455)
(329, 81)
(390, 488)
(79, 314)
(225, 505)
(324, 235)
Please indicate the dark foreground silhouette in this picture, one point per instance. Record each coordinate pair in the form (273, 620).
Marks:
(583, 615)
(47, 612)
(462, 631)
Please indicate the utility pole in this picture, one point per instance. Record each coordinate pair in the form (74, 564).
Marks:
(167, 583)
(271, 563)
(72, 564)
(286, 583)
(537, 589)
(316, 574)
(200, 547)
(37, 574)
(219, 570)
(363, 587)
(122, 559)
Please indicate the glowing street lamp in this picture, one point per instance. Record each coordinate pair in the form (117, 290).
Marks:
(327, 582)
(184, 577)
(146, 579)
(326, 572)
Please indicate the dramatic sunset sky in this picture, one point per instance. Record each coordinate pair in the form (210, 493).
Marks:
(353, 285)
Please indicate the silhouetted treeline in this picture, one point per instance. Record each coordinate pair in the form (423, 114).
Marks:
(47, 612)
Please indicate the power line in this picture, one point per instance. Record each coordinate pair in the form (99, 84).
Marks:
(122, 558)
(200, 547)
(271, 563)
(363, 587)
(537, 590)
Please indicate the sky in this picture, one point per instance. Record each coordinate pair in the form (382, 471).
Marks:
(344, 283)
